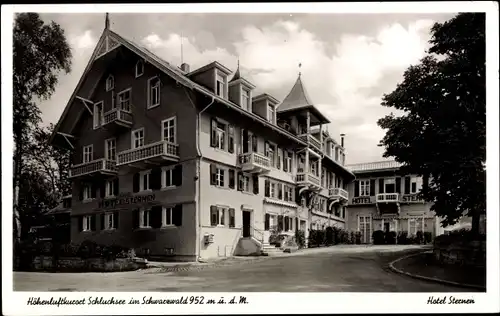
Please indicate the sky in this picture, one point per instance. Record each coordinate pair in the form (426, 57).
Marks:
(348, 60)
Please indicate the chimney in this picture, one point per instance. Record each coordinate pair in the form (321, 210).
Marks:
(185, 67)
(342, 140)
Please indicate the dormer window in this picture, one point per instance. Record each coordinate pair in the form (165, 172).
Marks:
(110, 83)
(245, 99)
(139, 69)
(220, 85)
(271, 111)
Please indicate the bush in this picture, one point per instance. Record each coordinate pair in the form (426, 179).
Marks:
(316, 238)
(390, 238)
(300, 238)
(403, 238)
(419, 238)
(427, 237)
(343, 237)
(357, 236)
(378, 237)
(352, 238)
(330, 236)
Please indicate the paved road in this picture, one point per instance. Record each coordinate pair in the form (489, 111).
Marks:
(327, 270)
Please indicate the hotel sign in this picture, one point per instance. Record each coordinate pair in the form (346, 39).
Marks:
(411, 198)
(126, 200)
(361, 200)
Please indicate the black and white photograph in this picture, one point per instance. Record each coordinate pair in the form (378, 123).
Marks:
(228, 157)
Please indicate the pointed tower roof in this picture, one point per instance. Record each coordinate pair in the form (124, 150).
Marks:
(237, 74)
(298, 98)
(238, 78)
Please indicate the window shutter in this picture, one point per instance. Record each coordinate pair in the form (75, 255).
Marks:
(255, 184)
(287, 223)
(356, 188)
(135, 218)
(116, 189)
(280, 222)
(213, 133)
(231, 139)
(213, 219)
(155, 219)
(213, 171)
(116, 222)
(285, 160)
(94, 190)
(102, 218)
(80, 194)
(177, 216)
(231, 178)
(266, 148)
(280, 156)
(296, 223)
(177, 175)
(267, 188)
(136, 182)
(280, 191)
(266, 222)
(255, 147)
(93, 222)
(380, 185)
(398, 185)
(155, 179)
(372, 187)
(102, 188)
(80, 223)
(407, 185)
(240, 180)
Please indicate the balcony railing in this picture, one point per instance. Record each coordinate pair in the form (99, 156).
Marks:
(93, 167)
(311, 140)
(308, 179)
(338, 193)
(388, 198)
(254, 162)
(156, 151)
(118, 116)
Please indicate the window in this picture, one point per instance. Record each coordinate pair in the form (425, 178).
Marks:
(98, 114)
(138, 138)
(110, 188)
(168, 127)
(144, 183)
(87, 192)
(171, 177)
(244, 184)
(109, 221)
(124, 100)
(88, 153)
(288, 193)
(364, 188)
(219, 177)
(167, 218)
(221, 136)
(416, 184)
(245, 99)
(168, 178)
(153, 92)
(217, 215)
(271, 114)
(111, 149)
(220, 86)
(287, 163)
(87, 223)
(139, 68)
(390, 185)
(144, 218)
(110, 83)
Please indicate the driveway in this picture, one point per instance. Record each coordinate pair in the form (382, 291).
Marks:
(333, 269)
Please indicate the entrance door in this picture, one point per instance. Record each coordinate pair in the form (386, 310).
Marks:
(365, 229)
(246, 224)
(387, 227)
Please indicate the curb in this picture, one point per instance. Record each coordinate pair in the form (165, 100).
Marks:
(421, 277)
(198, 267)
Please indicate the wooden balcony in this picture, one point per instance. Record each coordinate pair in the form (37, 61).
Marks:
(149, 154)
(254, 162)
(316, 144)
(93, 168)
(308, 179)
(388, 203)
(338, 194)
(116, 120)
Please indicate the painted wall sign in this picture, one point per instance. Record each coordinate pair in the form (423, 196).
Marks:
(411, 198)
(361, 200)
(124, 200)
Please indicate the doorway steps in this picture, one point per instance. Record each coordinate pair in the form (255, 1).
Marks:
(269, 250)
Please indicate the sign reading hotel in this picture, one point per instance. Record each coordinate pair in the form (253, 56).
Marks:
(408, 198)
(361, 200)
(125, 200)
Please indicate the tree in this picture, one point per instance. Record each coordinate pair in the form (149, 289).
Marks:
(441, 134)
(40, 53)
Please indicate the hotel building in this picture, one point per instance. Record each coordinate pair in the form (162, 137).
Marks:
(184, 164)
(382, 198)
